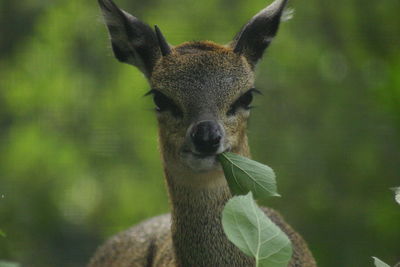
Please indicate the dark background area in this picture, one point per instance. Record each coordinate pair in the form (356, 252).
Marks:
(78, 142)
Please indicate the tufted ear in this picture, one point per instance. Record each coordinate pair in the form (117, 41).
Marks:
(258, 33)
(133, 41)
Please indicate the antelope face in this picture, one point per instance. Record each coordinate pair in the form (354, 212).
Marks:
(202, 93)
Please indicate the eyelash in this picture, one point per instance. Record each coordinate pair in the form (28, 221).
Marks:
(243, 101)
(164, 103)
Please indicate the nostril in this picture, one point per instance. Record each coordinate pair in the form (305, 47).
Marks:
(215, 140)
(206, 137)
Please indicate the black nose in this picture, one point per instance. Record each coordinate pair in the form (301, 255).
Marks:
(206, 137)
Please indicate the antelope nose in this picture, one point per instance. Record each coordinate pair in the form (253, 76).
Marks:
(206, 137)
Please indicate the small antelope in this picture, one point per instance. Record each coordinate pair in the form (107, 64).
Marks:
(202, 92)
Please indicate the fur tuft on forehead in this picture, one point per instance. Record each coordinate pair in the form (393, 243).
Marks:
(198, 46)
(201, 66)
(202, 58)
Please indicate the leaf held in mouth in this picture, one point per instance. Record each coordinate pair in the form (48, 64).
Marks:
(244, 175)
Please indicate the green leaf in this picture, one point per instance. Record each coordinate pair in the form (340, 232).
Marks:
(9, 264)
(396, 194)
(379, 263)
(247, 226)
(244, 175)
(2, 234)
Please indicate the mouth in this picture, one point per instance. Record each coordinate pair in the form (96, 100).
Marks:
(201, 156)
(204, 155)
(201, 162)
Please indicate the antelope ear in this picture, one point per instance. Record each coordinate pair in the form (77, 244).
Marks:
(258, 33)
(133, 41)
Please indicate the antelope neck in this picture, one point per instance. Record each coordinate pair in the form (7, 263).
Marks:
(197, 233)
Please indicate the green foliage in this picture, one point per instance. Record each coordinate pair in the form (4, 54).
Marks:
(396, 194)
(247, 226)
(78, 145)
(379, 263)
(244, 223)
(2, 234)
(8, 264)
(244, 175)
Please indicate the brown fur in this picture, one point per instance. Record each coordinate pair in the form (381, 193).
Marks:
(203, 79)
(195, 235)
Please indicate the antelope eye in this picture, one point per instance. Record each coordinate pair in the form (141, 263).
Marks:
(164, 103)
(243, 102)
(161, 101)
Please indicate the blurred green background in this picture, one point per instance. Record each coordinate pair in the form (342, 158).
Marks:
(78, 142)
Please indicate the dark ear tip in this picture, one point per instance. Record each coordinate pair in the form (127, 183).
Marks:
(164, 46)
(158, 31)
(284, 4)
(258, 33)
(107, 4)
(101, 3)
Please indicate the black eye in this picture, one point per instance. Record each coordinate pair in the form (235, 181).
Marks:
(161, 101)
(164, 103)
(243, 101)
